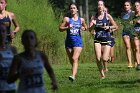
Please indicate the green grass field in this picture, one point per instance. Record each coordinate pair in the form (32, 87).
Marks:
(119, 79)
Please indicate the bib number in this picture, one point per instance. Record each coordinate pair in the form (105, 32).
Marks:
(34, 81)
(74, 31)
(4, 73)
(137, 29)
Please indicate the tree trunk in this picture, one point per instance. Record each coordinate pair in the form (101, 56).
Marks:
(73, 1)
(81, 10)
(87, 13)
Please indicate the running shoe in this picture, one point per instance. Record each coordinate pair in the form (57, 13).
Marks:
(71, 78)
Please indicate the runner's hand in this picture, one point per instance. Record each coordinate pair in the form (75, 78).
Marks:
(12, 34)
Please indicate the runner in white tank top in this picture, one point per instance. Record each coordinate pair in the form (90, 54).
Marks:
(6, 56)
(29, 66)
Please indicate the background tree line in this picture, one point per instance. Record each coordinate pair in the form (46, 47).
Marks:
(115, 6)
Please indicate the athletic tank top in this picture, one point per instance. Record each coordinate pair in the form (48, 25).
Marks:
(126, 17)
(76, 29)
(137, 25)
(31, 74)
(111, 34)
(6, 57)
(101, 23)
(6, 20)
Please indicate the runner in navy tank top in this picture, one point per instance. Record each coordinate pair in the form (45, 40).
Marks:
(6, 56)
(102, 36)
(111, 57)
(137, 34)
(127, 16)
(7, 18)
(73, 24)
(102, 40)
(29, 66)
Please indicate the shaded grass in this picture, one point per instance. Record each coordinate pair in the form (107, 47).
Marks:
(119, 79)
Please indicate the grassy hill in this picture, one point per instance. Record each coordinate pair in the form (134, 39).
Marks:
(38, 15)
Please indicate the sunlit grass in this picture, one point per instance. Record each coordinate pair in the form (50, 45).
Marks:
(119, 79)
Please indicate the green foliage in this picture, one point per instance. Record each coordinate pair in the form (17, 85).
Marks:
(39, 16)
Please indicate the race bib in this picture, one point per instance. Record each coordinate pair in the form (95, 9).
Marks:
(137, 29)
(4, 73)
(35, 80)
(74, 31)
